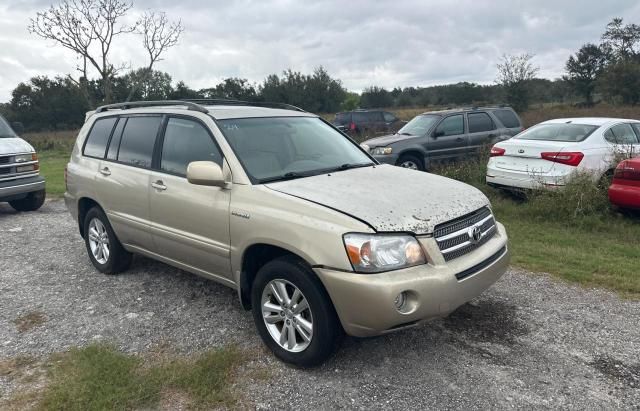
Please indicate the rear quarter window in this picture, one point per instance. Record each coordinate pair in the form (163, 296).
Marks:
(98, 138)
(507, 118)
(479, 122)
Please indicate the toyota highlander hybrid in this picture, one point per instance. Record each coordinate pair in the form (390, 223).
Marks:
(315, 235)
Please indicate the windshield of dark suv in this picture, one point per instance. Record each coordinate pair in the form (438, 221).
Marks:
(419, 125)
(5, 130)
(282, 148)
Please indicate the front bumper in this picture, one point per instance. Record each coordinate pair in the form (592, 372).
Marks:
(16, 189)
(365, 302)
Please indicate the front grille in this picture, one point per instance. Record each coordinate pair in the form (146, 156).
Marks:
(5, 170)
(455, 238)
(5, 160)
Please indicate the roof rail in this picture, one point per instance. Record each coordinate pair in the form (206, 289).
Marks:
(135, 104)
(223, 101)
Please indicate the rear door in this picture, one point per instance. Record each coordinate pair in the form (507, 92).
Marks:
(448, 140)
(124, 177)
(190, 222)
(482, 131)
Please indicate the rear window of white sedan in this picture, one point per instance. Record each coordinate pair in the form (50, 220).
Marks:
(558, 132)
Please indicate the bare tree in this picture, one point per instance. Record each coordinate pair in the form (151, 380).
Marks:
(514, 73)
(88, 28)
(158, 35)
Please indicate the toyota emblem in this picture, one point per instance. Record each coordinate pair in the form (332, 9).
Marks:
(475, 234)
(521, 151)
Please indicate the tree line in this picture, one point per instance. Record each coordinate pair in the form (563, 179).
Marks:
(608, 71)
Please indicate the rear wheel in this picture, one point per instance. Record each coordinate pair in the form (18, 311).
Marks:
(294, 314)
(105, 250)
(410, 161)
(31, 202)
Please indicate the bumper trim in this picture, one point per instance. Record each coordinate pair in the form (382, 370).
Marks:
(478, 267)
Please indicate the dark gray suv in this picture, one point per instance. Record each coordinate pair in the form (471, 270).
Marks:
(444, 135)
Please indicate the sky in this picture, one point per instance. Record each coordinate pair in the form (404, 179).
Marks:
(386, 43)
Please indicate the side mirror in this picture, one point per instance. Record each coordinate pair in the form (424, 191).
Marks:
(205, 173)
(438, 133)
(18, 127)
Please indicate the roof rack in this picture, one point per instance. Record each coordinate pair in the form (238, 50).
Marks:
(223, 101)
(135, 104)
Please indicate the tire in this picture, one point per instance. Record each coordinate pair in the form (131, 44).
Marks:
(326, 330)
(31, 202)
(96, 225)
(410, 161)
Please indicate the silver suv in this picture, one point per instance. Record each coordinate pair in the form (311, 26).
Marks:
(316, 236)
(20, 182)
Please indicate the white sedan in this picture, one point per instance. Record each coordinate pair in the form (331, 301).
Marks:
(547, 154)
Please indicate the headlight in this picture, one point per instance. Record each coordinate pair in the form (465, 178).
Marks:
(382, 150)
(372, 253)
(23, 158)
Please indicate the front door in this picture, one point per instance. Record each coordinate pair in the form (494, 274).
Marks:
(448, 141)
(190, 222)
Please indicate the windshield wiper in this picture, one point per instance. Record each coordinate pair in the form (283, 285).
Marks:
(348, 166)
(286, 176)
(405, 134)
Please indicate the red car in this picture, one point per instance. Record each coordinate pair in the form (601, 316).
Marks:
(625, 188)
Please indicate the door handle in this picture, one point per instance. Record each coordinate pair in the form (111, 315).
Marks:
(105, 171)
(159, 185)
(459, 139)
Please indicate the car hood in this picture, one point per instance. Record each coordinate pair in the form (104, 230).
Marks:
(385, 140)
(389, 198)
(14, 145)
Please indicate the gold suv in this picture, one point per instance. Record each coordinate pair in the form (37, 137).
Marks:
(316, 236)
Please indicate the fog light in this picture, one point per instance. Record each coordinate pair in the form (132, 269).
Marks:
(400, 301)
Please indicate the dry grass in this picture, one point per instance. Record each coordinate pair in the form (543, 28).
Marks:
(29, 321)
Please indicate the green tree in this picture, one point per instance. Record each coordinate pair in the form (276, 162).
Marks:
(621, 40)
(583, 70)
(514, 74)
(620, 82)
(376, 97)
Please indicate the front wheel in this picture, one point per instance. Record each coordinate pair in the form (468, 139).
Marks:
(410, 161)
(294, 314)
(31, 202)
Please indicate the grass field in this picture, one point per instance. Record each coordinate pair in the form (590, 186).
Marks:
(596, 247)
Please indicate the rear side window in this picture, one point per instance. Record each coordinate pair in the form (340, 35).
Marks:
(479, 122)
(621, 134)
(388, 117)
(99, 137)
(112, 153)
(507, 118)
(186, 141)
(451, 126)
(138, 139)
(360, 117)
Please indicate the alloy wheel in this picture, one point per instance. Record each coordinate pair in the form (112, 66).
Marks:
(287, 315)
(99, 241)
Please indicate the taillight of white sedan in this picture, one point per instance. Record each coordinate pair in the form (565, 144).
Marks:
(547, 154)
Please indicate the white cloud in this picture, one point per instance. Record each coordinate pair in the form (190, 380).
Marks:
(391, 43)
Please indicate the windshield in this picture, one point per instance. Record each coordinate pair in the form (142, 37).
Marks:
(419, 125)
(5, 130)
(557, 132)
(280, 148)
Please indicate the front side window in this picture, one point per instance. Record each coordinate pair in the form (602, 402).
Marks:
(99, 137)
(186, 141)
(621, 134)
(138, 140)
(479, 122)
(290, 147)
(451, 126)
(419, 125)
(557, 132)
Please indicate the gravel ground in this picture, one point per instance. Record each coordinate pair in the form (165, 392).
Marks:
(529, 341)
